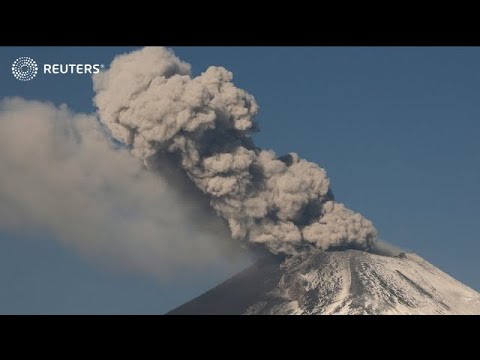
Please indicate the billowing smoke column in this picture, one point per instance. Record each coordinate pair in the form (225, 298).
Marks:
(151, 103)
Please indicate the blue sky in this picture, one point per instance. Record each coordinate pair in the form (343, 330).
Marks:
(395, 127)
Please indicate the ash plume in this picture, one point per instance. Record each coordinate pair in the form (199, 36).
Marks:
(61, 174)
(202, 127)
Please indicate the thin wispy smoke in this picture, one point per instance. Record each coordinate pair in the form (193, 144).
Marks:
(60, 173)
(385, 249)
(203, 126)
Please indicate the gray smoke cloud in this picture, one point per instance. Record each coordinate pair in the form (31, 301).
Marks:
(202, 127)
(61, 174)
(386, 249)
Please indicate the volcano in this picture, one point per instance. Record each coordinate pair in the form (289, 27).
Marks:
(337, 282)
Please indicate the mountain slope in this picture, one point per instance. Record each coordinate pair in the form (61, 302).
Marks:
(338, 282)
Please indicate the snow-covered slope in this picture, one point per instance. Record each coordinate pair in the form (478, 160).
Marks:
(338, 282)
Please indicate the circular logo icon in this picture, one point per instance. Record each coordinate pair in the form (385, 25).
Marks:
(24, 68)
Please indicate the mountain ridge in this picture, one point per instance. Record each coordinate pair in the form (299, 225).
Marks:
(337, 282)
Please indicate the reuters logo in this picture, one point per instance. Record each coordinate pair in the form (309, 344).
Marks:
(24, 68)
